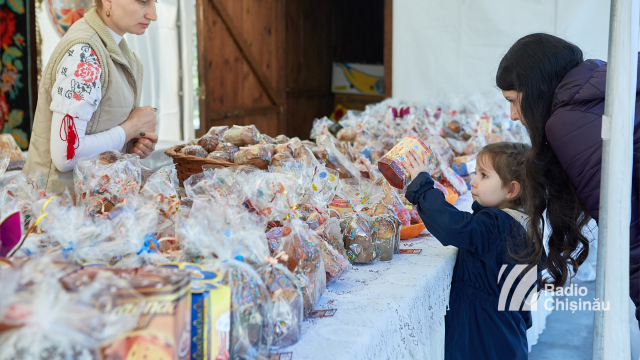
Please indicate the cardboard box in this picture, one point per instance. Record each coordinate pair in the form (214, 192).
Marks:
(391, 165)
(210, 313)
(356, 102)
(464, 168)
(467, 179)
(163, 328)
(351, 78)
(484, 124)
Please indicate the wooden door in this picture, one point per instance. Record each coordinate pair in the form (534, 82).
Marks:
(320, 33)
(241, 66)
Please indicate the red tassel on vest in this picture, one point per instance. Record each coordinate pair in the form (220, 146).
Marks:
(68, 126)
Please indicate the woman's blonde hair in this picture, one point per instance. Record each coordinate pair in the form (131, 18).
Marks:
(98, 4)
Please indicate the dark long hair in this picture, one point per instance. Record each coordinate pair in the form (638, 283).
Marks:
(534, 66)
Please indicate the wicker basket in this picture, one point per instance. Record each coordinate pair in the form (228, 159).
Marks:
(187, 165)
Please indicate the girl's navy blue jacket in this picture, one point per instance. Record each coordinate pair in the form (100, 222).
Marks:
(474, 327)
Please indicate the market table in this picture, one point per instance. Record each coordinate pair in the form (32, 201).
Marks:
(390, 310)
(386, 310)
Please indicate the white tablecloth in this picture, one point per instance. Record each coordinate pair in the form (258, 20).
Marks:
(391, 310)
(387, 310)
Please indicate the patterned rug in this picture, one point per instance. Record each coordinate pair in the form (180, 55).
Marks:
(15, 95)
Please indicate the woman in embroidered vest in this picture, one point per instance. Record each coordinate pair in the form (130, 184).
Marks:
(88, 100)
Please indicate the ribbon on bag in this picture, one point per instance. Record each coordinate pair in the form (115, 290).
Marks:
(44, 214)
(148, 240)
(281, 258)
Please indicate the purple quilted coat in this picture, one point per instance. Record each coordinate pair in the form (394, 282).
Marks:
(574, 133)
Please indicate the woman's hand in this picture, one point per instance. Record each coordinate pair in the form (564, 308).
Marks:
(415, 163)
(144, 146)
(141, 120)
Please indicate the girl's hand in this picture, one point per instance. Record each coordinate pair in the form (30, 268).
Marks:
(415, 163)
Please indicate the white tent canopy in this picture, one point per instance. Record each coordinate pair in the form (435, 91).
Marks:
(455, 46)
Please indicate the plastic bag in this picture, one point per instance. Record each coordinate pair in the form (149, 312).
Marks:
(335, 264)
(266, 140)
(441, 148)
(223, 185)
(236, 252)
(109, 177)
(160, 189)
(335, 159)
(257, 155)
(218, 131)
(305, 261)
(283, 148)
(220, 156)
(44, 321)
(302, 153)
(360, 238)
(251, 309)
(4, 163)
(362, 195)
(388, 236)
(449, 178)
(320, 127)
(194, 150)
(457, 146)
(346, 135)
(71, 234)
(136, 241)
(287, 302)
(20, 194)
(324, 186)
(274, 235)
(164, 326)
(242, 135)
(274, 195)
(331, 232)
(229, 148)
(209, 142)
(475, 144)
(280, 158)
(281, 139)
(241, 233)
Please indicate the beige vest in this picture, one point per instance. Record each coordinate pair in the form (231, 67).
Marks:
(121, 80)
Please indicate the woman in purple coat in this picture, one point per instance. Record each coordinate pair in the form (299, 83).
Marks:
(559, 98)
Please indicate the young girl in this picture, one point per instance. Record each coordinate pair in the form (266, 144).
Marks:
(488, 241)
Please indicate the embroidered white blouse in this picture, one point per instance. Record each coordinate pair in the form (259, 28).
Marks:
(77, 93)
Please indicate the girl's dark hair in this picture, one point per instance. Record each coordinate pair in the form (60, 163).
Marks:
(507, 160)
(534, 66)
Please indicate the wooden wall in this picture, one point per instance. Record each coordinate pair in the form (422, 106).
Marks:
(319, 33)
(269, 62)
(310, 41)
(240, 63)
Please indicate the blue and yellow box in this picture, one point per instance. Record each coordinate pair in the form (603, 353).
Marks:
(464, 165)
(351, 78)
(210, 313)
(467, 179)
